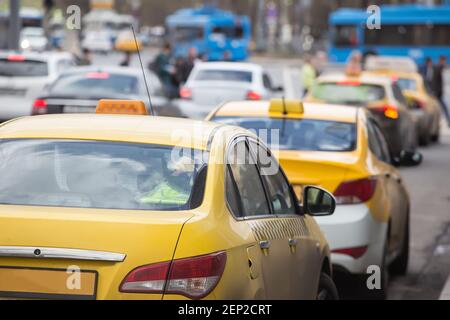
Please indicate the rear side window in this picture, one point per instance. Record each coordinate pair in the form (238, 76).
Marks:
(245, 192)
(224, 75)
(95, 84)
(407, 84)
(398, 94)
(277, 186)
(25, 68)
(348, 93)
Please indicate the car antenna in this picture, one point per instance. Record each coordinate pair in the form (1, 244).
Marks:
(143, 72)
(283, 127)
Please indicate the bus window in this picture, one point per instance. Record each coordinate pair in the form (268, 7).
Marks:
(186, 34)
(345, 36)
(409, 35)
(229, 32)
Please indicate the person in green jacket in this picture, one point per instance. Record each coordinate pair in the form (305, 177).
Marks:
(308, 74)
(174, 188)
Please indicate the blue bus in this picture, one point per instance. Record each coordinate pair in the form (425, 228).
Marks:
(417, 31)
(216, 34)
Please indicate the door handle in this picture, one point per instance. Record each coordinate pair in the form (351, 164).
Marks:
(264, 244)
(293, 242)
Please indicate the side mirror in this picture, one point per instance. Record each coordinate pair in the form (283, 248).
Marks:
(410, 158)
(318, 202)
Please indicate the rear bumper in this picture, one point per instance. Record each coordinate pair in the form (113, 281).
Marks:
(353, 226)
(14, 107)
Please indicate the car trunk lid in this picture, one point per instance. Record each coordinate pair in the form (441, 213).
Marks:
(39, 243)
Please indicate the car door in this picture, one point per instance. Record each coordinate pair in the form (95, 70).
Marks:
(252, 209)
(293, 236)
(396, 191)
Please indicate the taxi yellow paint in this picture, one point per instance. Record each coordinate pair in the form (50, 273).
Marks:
(390, 202)
(419, 99)
(151, 237)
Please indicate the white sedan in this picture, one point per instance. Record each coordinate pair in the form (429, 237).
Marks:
(24, 76)
(213, 83)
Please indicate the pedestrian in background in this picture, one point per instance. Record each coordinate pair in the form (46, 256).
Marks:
(126, 62)
(439, 85)
(427, 72)
(184, 66)
(86, 58)
(308, 74)
(165, 71)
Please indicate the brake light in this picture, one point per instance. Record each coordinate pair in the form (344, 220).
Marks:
(16, 57)
(193, 277)
(355, 253)
(353, 192)
(185, 93)
(39, 107)
(97, 75)
(389, 111)
(349, 83)
(252, 95)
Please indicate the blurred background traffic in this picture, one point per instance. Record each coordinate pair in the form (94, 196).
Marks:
(62, 56)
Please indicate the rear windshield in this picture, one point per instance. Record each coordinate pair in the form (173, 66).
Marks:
(103, 175)
(224, 75)
(26, 68)
(348, 93)
(295, 134)
(95, 84)
(407, 84)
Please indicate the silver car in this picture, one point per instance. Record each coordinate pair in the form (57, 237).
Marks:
(213, 83)
(24, 76)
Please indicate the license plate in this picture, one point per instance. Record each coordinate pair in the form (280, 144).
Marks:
(78, 109)
(36, 283)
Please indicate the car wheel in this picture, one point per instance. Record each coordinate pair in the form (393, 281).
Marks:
(327, 288)
(400, 265)
(381, 293)
(435, 137)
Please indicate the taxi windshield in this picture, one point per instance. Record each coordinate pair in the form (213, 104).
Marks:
(348, 93)
(299, 134)
(100, 175)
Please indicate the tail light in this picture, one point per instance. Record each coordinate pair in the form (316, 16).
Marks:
(193, 277)
(252, 95)
(185, 93)
(39, 107)
(355, 253)
(353, 192)
(16, 58)
(389, 111)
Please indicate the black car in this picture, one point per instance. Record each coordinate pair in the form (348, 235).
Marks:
(79, 89)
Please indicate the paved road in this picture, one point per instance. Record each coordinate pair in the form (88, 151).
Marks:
(429, 186)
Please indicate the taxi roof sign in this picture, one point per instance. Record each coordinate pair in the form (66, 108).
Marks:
(286, 107)
(129, 107)
(399, 64)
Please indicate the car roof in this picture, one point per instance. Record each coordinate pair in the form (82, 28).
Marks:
(107, 69)
(124, 128)
(240, 66)
(365, 77)
(316, 111)
(39, 56)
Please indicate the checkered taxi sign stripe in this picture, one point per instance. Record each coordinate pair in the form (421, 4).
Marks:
(279, 228)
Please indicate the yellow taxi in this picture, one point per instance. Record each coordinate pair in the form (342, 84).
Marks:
(422, 103)
(126, 42)
(341, 149)
(119, 205)
(382, 96)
